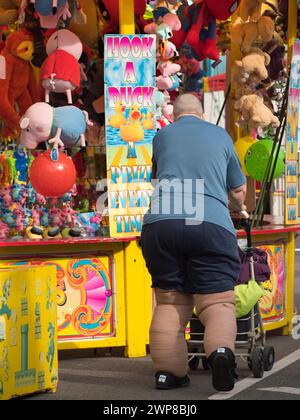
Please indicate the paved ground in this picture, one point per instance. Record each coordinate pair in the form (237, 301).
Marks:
(117, 378)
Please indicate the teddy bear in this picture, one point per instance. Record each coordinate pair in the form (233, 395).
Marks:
(251, 69)
(250, 10)
(254, 113)
(245, 34)
(9, 11)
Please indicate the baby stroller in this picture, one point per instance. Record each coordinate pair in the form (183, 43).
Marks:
(251, 343)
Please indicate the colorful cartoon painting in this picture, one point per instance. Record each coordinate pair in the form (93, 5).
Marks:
(273, 304)
(28, 355)
(292, 139)
(85, 296)
(130, 70)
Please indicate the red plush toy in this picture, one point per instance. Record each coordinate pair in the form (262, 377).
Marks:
(199, 26)
(17, 81)
(110, 14)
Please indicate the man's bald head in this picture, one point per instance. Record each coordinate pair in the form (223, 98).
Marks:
(187, 104)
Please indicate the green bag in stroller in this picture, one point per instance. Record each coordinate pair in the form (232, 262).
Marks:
(247, 296)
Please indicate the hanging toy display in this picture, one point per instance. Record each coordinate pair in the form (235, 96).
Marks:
(61, 71)
(198, 33)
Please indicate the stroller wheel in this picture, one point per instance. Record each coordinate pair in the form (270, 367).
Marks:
(258, 362)
(269, 358)
(194, 363)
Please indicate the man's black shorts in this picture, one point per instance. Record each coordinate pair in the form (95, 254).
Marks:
(199, 259)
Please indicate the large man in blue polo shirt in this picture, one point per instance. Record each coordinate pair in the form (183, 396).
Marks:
(190, 246)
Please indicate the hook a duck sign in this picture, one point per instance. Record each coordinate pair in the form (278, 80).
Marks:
(130, 72)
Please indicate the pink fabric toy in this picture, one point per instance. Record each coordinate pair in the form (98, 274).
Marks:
(55, 217)
(68, 215)
(4, 230)
(164, 29)
(5, 194)
(20, 217)
(167, 70)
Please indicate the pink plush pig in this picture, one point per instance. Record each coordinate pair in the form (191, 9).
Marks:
(63, 126)
(167, 69)
(61, 71)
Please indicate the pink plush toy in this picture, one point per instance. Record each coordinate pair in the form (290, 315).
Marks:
(5, 194)
(168, 113)
(68, 215)
(35, 215)
(4, 230)
(55, 217)
(61, 71)
(20, 217)
(167, 51)
(62, 126)
(164, 29)
(40, 200)
(167, 69)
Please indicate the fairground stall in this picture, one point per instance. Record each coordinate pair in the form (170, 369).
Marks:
(80, 105)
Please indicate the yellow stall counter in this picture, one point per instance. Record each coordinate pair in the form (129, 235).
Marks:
(28, 338)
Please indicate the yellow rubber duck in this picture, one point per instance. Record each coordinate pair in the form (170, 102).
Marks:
(133, 132)
(148, 121)
(119, 119)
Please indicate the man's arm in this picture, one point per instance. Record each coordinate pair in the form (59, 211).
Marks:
(237, 198)
(236, 182)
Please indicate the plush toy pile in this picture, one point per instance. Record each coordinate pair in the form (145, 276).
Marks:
(26, 214)
(260, 39)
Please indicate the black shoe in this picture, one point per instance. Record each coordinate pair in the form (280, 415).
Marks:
(168, 381)
(222, 363)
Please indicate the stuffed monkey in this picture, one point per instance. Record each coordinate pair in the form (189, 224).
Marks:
(9, 11)
(17, 81)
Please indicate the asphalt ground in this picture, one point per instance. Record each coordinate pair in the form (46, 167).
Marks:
(109, 377)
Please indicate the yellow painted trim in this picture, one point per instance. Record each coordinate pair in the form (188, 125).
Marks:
(91, 344)
(137, 295)
(290, 285)
(292, 28)
(271, 326)
(127, 21)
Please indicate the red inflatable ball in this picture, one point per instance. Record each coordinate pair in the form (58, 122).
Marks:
(52, 179)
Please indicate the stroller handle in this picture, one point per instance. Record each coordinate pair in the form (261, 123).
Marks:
(246, 223)
(245, 215)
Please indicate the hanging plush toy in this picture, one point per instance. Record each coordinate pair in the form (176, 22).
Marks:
(9, 11)
(17, 81)
(61, 72)
(49, 11)
(199, 26)
(63, 126)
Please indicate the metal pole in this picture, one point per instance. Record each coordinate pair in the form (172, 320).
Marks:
(224, 103)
